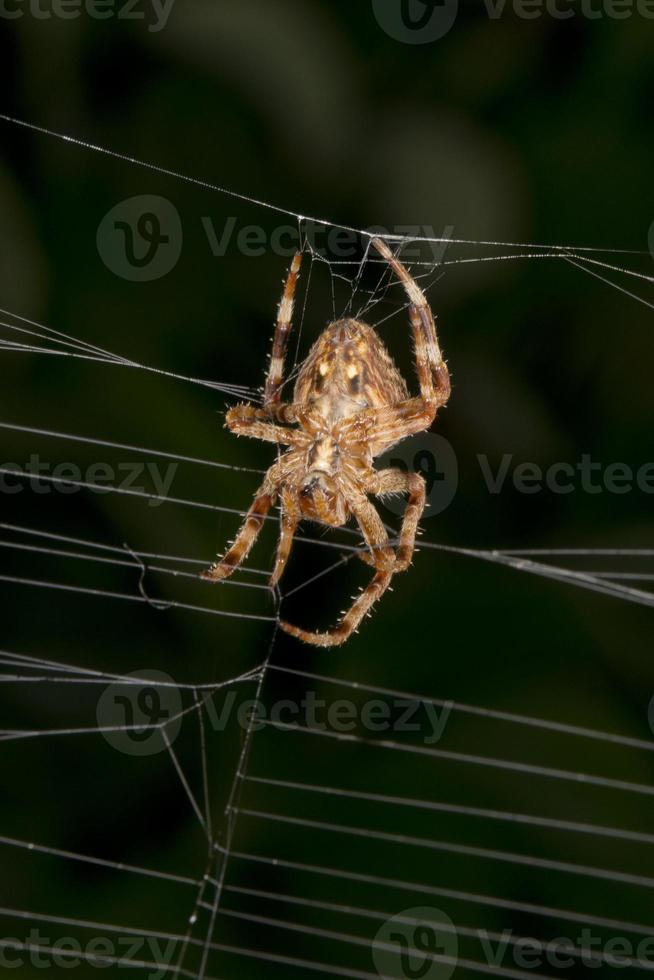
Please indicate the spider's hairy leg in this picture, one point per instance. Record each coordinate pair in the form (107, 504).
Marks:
(249, 530)
(396, 481)
(247, 420)
(382, 557)
(432, 370)
(350, 620)
(382, 427)
(282, 331)
(290, 518)
(433, 375)
(380, 553)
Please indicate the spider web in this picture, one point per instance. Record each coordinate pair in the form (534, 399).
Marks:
(301, 839)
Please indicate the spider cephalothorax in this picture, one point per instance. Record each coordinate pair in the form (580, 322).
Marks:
(350, 404)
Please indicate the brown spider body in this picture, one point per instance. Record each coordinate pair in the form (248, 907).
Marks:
(350, 404)
(347, 370)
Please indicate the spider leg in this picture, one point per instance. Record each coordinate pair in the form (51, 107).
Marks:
(350, 620)
(380, 428)
(246, 536)
(432, 371)
(433, 375)
(290, 519)
(380, 554)
(383, 559)
(396, 481)
(246, 420)
(280, 339)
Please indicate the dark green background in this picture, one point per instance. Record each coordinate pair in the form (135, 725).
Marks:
(507, 130)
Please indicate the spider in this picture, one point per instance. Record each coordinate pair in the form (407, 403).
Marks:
(350, 404)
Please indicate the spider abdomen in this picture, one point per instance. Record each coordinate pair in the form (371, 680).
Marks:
(347, 370)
